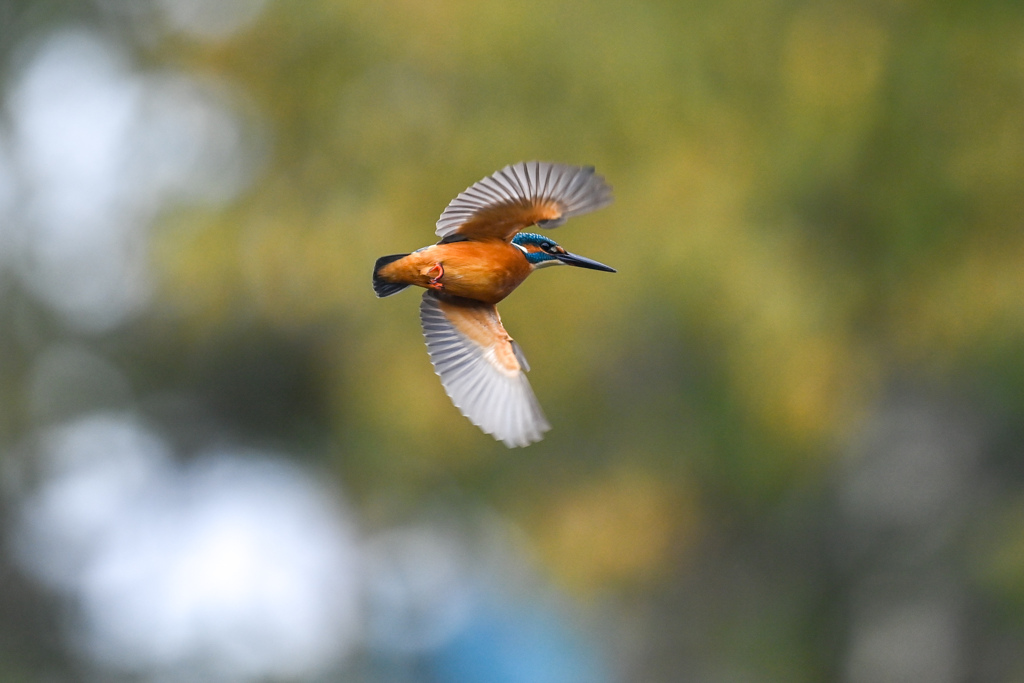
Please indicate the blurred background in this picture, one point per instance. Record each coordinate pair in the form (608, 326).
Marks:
(787, 438)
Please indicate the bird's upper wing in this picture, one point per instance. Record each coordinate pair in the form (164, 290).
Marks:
(521, 195)
(481, 368)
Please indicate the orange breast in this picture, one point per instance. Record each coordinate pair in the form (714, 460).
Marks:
(487, 271)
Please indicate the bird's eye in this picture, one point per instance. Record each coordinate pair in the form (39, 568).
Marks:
(547, 246)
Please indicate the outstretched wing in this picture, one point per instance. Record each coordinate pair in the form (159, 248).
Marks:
(524, 194)
(481, 368)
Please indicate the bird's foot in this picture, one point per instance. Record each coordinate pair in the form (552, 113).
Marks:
(435, 273)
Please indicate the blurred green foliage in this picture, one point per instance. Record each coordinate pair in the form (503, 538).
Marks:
(810, 198)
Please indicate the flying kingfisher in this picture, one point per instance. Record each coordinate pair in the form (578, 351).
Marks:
(483, 255)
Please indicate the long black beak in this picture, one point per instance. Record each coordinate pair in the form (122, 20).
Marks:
(583, 262)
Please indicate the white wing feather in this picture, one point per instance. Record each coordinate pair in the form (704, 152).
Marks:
(495, 397)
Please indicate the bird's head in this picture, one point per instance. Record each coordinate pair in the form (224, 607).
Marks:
(543, 251)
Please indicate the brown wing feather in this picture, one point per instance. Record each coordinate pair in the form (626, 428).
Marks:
(505, 220)
(524, 194)
(481, 324)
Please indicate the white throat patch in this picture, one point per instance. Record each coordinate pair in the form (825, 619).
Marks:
(545, 264)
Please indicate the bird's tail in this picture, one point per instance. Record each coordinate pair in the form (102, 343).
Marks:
(381, 285)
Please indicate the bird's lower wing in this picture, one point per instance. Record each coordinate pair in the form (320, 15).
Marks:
(481, 369)
(518, 196)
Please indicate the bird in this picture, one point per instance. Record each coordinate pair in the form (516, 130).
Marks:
(484, 253)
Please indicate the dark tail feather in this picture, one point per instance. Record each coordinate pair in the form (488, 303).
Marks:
(381, 286)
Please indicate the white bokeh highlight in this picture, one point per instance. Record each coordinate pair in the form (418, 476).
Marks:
(100, 149)
(236, 566)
